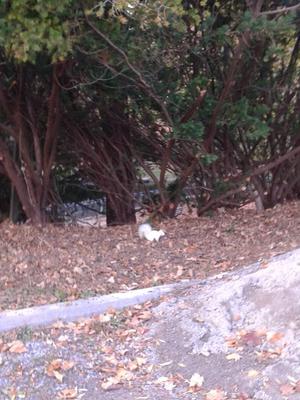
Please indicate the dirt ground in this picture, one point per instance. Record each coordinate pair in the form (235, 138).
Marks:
(235, 338)
(111, 356)
(90, 359)
(59, 263)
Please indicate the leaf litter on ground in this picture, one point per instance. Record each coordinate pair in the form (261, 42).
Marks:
(59, 263)
(109, 352)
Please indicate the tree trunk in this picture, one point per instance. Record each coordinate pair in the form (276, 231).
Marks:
(119, 211)
(120, 198)
(35, 144)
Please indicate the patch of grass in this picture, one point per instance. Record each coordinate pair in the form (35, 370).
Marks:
(87, 293)
(157, 283)
(60, 295)
(25, 334)
(117, 321)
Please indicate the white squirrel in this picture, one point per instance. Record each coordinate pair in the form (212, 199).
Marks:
(146, 232)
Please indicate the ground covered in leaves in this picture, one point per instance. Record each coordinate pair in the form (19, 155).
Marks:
(104, 357)
(235, 338)
(59, 263)
(89, 359)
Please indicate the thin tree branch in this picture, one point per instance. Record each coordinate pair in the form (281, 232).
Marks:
(137, 73)
(281, 10)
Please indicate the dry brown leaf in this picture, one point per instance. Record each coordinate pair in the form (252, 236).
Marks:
(68, 394)
(251, 338)
(105, 317)
(169, 386)
(66, 365)
(110, 383)
(141, 361)
(107, 349)
(145, 316)
(196, 382)
(243, 396)
(166, 382)
(111, 358)
(264, 264)
(124, 374)
(215, 394)
(11, 393)
(17, 347)
(252, 373)
(54, 367)
(63, 338)
(287, 389)
(165, 364)
(55, 364)
(274, 336)
(297, 386)
(162, 379)
(179, 271)
(232, 342)
(233, 357)
(58, 376)
(132, 365)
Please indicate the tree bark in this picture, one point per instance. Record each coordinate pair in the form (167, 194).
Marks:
(30, 172)
(120, 198)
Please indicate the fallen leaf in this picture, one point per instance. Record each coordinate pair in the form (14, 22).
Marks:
(287, 389)
(66, 365)
(11, 393)
(105, 317)
(110, 383)
(141, 361)
(297, 387)
(252, 373)
(78, 270)
(196, 382)
(167, 382)
(124, 374)
(145, 316)
(233, 357)
(55, 364)
(251, 338)
(58, 364)
(68, 394)
(264, 264)
(169, 386)
(215, 394)
(63, 338)
(165, 364)
(232, 342)
(274, 336)
(162, 379)
(58, 376)
(17, 347)
(179, 271)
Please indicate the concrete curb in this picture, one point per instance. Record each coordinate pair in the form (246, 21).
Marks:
(74, 310)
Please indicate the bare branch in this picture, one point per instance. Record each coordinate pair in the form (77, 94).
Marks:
(148, 89)
(281, 10)
(241, 179)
